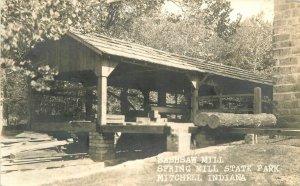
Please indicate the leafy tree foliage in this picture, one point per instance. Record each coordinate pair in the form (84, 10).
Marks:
(247, 45)
(250, 48)
(26, 22)
(203, 30)
(185, 33)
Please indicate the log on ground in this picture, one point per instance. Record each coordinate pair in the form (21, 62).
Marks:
(202, 118)
(241, 120)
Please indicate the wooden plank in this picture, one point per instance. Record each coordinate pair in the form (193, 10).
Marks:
(47, 156)
(142, 120)
(7, 152)
(65, 126)
(138, 129)
(169, 110)
(34, 135)
(8, 141)
(45, 164)
(112, 119)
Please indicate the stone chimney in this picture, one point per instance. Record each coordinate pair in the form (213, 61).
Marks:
(286, 40)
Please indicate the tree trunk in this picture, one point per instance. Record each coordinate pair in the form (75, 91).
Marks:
(2, 81)
(244, 120)
(214, 120)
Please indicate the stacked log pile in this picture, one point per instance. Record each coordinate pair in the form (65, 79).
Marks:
(214, 120)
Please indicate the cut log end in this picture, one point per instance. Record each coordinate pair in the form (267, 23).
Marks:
(214, 122)
(202, 119)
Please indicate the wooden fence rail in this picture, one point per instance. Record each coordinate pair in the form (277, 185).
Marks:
(220, 100)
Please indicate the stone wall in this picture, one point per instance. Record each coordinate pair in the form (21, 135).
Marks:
(286, 40)
(101, 146)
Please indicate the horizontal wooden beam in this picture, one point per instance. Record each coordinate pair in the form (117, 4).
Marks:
(267, 131)
(91, 127)
(64, 126)
(261, 131)
(244, 110)
(137, 129)
(226, 96)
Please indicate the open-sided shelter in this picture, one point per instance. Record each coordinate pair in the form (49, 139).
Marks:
(99, 60)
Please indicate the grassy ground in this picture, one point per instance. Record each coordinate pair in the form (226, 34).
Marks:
(281, 153)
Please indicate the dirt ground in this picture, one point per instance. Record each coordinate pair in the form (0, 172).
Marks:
(271, 161)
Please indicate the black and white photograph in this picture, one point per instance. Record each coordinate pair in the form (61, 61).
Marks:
(150, 92)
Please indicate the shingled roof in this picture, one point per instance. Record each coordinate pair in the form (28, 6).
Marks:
(115, 47)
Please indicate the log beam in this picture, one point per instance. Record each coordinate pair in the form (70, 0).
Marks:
(214, 120)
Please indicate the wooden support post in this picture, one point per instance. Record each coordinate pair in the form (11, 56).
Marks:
(124, 101)
(102, 71)
(89, 105)
(146, 95)
(257, 101)
(194, 102)
(196, 82)
(221, 103)
(102, 100)
(188, 97)
(162, 101)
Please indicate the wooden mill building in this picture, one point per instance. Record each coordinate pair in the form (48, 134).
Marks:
(98, 60)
